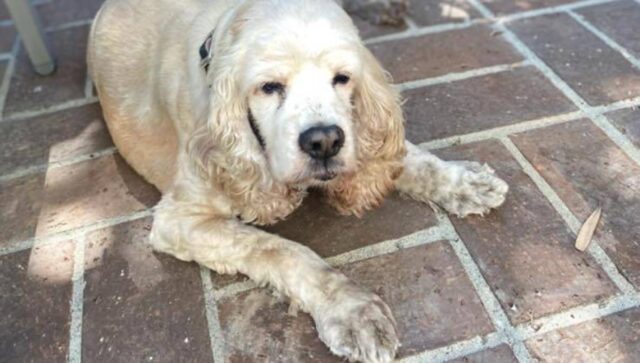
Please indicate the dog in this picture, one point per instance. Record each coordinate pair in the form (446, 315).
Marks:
(234, 110)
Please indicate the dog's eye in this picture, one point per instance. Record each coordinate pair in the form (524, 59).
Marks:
(341, 79)
(271, 87)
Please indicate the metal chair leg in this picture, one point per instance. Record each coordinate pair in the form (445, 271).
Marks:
(30, 33)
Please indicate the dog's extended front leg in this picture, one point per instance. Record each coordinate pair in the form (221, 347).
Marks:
(350, 320)
(460, 187)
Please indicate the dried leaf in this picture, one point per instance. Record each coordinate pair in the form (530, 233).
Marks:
(586, 231)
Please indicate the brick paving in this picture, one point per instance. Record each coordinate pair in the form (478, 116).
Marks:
(547, 92)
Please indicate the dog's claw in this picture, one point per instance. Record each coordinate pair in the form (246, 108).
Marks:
(359, 326)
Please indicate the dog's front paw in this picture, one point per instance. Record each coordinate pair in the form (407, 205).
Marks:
(359, 326)
(473, 189)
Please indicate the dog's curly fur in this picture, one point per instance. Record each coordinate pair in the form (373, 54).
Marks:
(189, 131)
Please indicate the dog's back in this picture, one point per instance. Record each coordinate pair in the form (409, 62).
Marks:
(137, 59)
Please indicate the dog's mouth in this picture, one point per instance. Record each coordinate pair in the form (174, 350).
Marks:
(326, 170)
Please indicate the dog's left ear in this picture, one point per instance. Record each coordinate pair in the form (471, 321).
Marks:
(379, 126)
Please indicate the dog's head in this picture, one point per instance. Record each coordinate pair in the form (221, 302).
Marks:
(293, 84)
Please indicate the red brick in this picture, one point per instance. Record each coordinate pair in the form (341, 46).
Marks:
(596, 72)
(59, 12)
(619, 20)
(53, 137)
(628, 122)
(86, 192)
(30, 91)
(140, 306)
(524, 249)
(434, 12)
(441, 53)
(369, 30)
(426, 287)
(35, 290)
(7, 38)
(499, 354)
(481, 103)
(501, 7)
(20, 204)
(615, 338)
(588, 170)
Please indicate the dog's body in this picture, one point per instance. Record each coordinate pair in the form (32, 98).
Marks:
(233, 109)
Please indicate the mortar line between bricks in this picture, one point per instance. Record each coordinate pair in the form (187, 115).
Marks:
(599, 120)
(552, 10)
(5, 56)
(416, 32)
(490, 302)
(18, 116)
(69, 25)
(74, 354)
(30, 170)
(216, 338)
(6, 22)
(423, 237)
(73, 233)
(456, 350)
(598, 254)
(605, 38)
(88, 86)
(577, 315)
(458, 76)
(8, 74)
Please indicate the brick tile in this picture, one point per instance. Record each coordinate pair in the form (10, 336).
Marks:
(524, 249)
(596, 72)
(318, 226)
(35, 290)
(501, 7)
(69, 197)
(7, 38)
(615, 338)
(140, 306)
(30, 91)
(86, 192)
(20, 204)
(60, 12)
(499, 354)
(587, 170)
(434, 12)
(454, 51)
(369, 30)
(481, 103)
(628, 122)
(426, 287)
(4, 12)
(619, 20)
(53, 137)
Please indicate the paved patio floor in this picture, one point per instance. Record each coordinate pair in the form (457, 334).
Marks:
(547, 92)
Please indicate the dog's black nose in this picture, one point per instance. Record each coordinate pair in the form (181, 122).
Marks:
(322, 142)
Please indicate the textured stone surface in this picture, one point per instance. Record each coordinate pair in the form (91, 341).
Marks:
(480, 103)
(619, 20)
(596, 72)
(59, 12)
(454, 51)
(615, 338)
(20, 204)
(86, 192)
(30, 91)
(7, 38)
(140, 306)
(587, 170)
(434, 12)
(500, 7)
(35, 290)
(426, 288)
(524, 249)
(628, 122)
(499, 354)
(52, 137)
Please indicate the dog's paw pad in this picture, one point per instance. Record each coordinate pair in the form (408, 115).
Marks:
(360, 329)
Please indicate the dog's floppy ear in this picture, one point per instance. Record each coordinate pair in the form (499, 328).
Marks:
(379, 127)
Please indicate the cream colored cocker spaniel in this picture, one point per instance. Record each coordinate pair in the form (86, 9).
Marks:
(233, 109)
